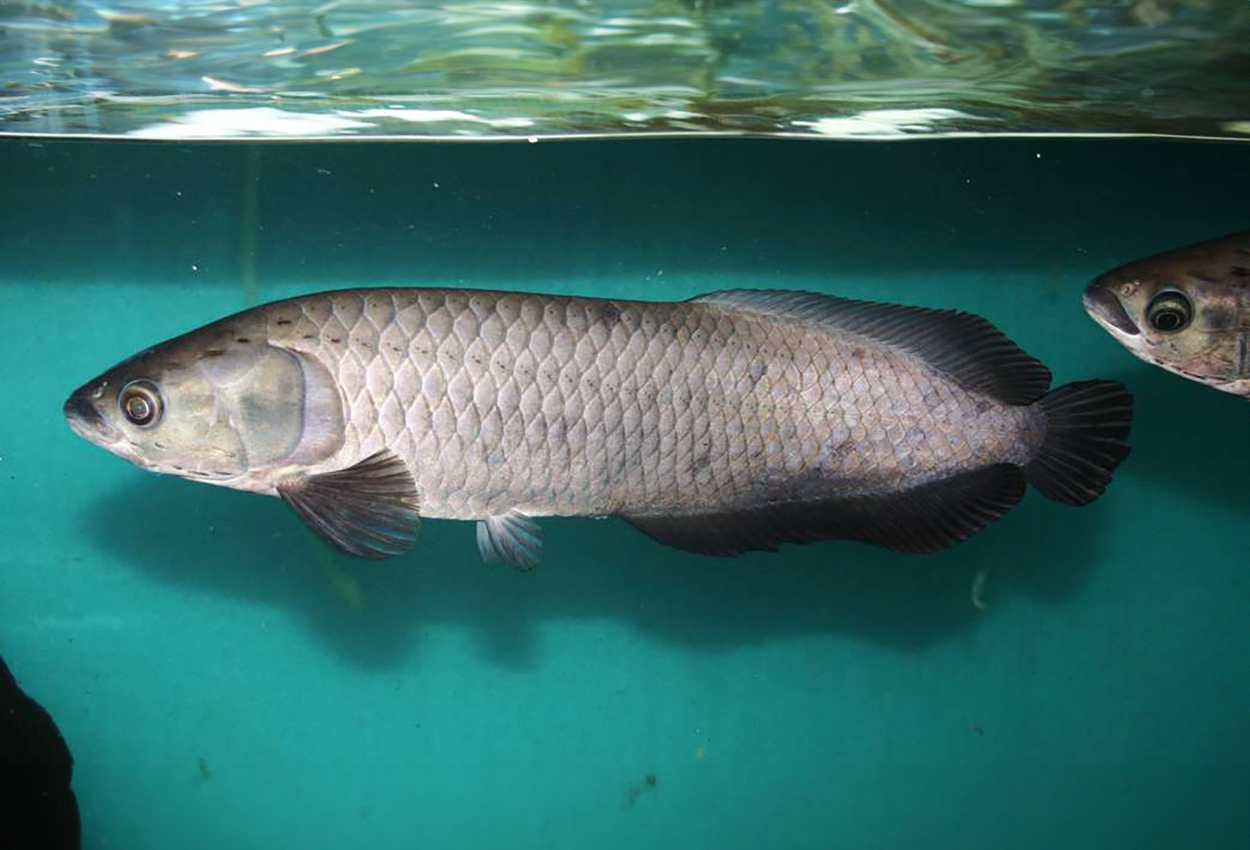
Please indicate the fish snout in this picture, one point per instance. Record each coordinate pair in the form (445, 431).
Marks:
(85, 419)
(1106, 308)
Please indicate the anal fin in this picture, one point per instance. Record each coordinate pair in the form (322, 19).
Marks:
(923, 519)
(511, 538)
(369, 510)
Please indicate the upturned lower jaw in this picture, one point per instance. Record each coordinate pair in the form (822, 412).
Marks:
(1105, 308)
(85, 421)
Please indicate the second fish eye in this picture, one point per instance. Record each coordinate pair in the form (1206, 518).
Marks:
(1169, 312)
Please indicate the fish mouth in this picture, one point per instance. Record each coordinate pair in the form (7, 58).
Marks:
(1106, 309)
(85, 420)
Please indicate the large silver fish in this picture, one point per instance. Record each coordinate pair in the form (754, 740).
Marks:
(1186, 310)
(734, 421)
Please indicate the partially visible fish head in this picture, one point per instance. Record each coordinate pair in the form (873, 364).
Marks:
(1186, 311)
(215, 405)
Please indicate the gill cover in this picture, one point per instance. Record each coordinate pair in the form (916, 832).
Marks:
(260, 389)
(283, 406)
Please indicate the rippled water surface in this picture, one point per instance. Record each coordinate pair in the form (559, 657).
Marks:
(518, 69)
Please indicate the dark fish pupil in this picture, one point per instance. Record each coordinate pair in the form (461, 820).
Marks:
(1169, 312)
(138, 409)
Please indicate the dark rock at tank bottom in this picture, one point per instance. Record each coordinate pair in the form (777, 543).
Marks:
(38, 810)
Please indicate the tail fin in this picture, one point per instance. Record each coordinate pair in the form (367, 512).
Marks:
(1086, 433)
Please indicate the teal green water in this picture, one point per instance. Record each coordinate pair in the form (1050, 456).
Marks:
(226, 681)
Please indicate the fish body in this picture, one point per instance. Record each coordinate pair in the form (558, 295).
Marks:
(1185, 310)
(733, 421)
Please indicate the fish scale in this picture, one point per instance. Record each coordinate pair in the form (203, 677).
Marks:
(555, 405)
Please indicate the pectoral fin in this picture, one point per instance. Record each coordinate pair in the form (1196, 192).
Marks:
(368, 510)
(512, 538)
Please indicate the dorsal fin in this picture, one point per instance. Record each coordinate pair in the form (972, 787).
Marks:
(966, 348)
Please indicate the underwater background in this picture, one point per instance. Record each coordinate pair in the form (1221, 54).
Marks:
(225, 680)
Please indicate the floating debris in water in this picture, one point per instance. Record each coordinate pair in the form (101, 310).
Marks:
(634, 791)
(978, 590)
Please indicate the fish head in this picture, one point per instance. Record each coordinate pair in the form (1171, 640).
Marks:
(1186, 311)
(214, 405)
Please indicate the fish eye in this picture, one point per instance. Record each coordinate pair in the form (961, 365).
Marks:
(140, 403)
(1169, 312)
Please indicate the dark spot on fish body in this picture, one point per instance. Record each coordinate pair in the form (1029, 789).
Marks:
(1219, 318)
(609, 314)
(335, 339)
(282, 322)
(310, 336)
(212, 352)
(983, 406)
